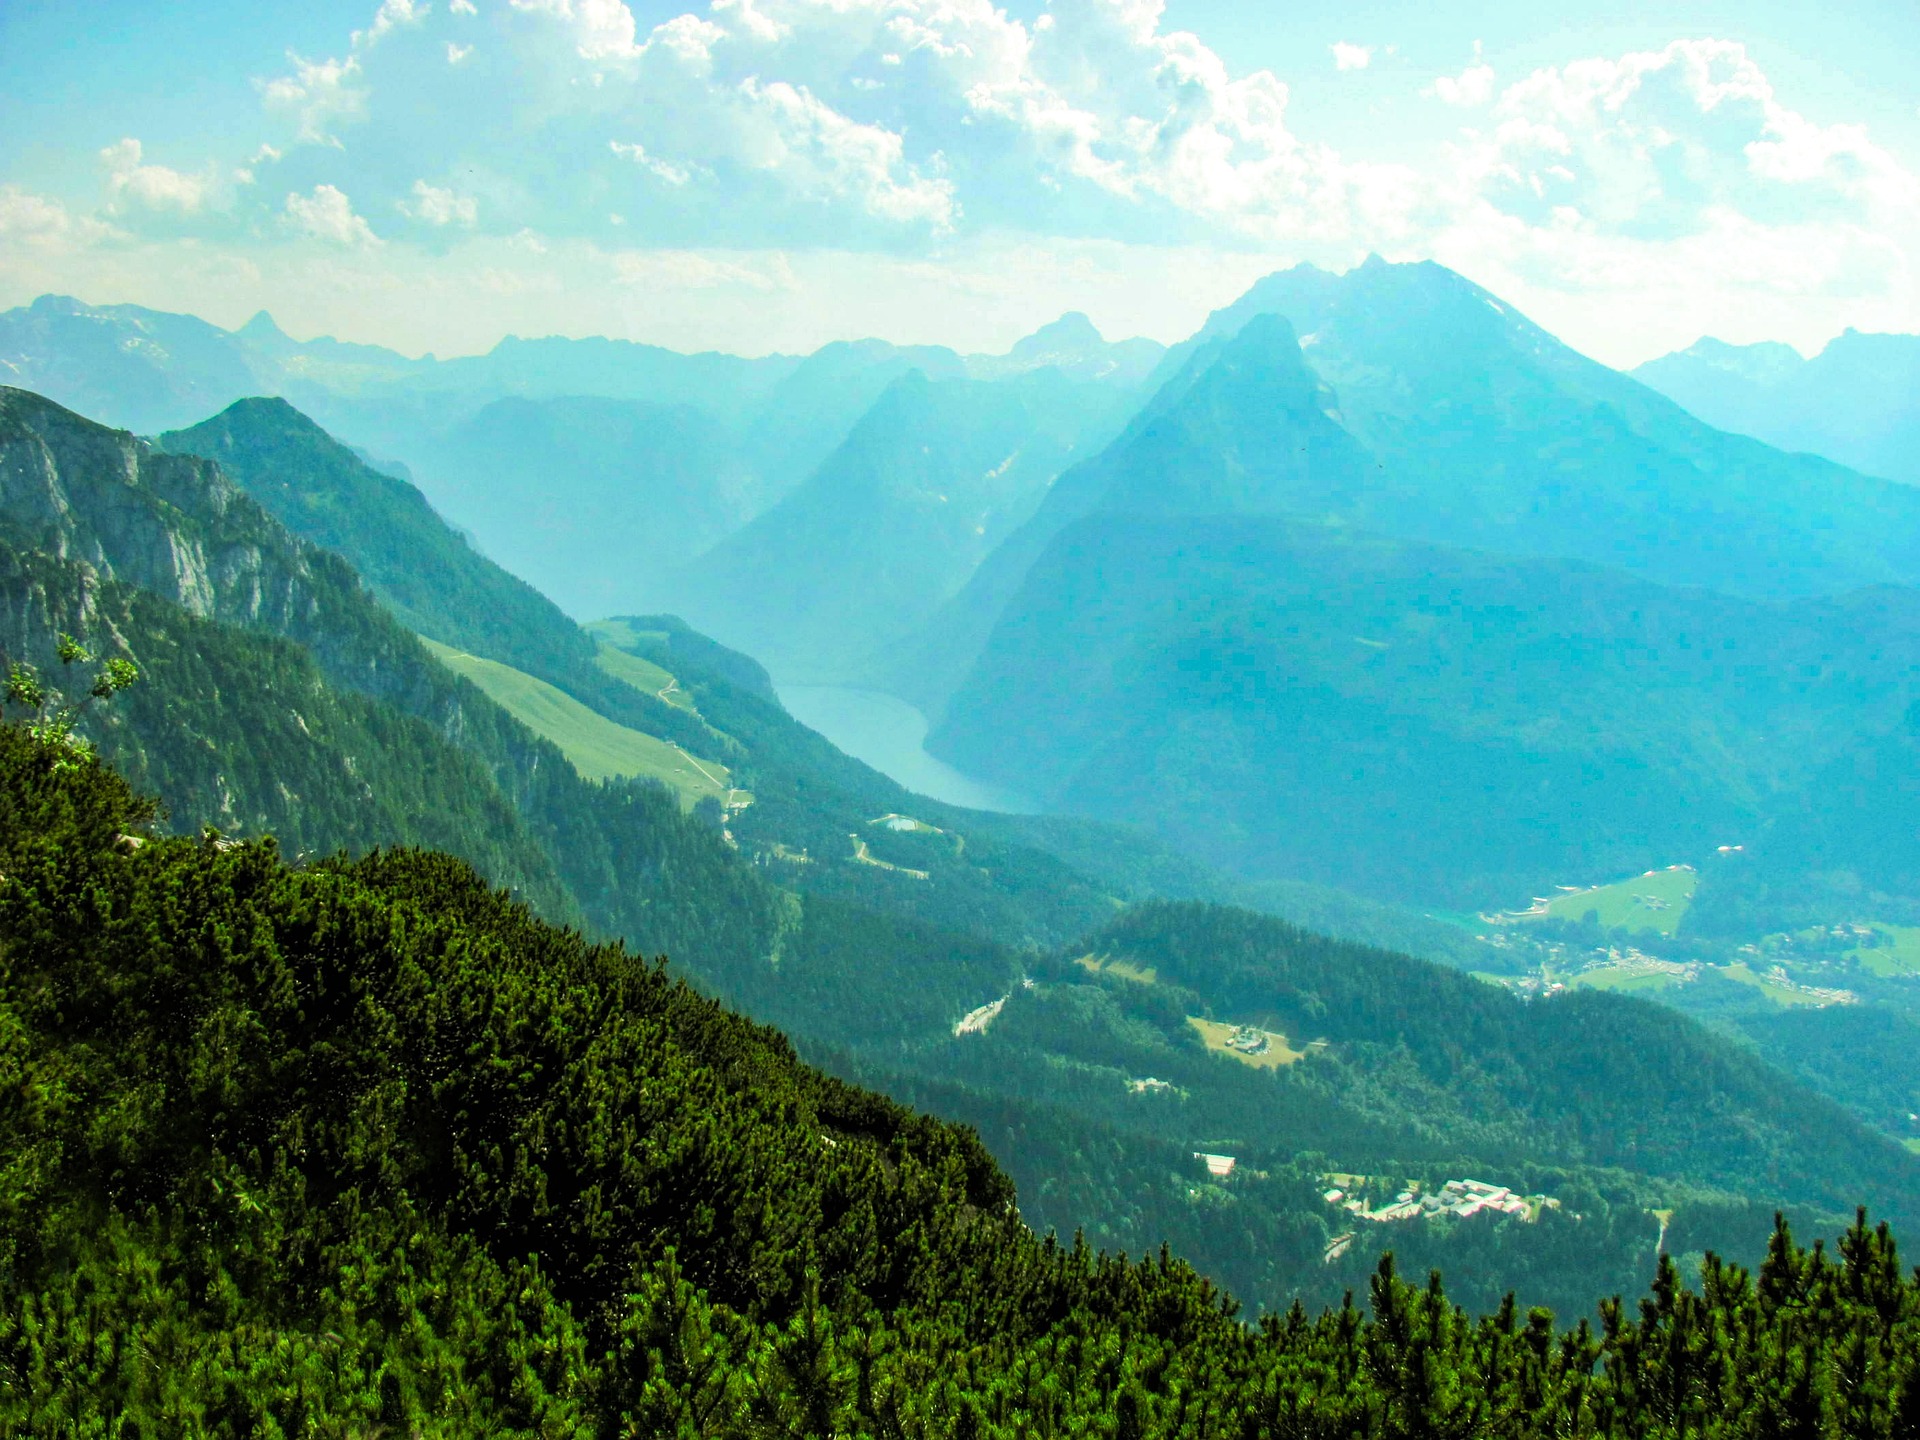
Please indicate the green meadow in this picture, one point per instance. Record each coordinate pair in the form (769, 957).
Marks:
(595, 746)
(1655, 901)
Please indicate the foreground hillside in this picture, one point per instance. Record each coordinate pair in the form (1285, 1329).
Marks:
(363, 1147)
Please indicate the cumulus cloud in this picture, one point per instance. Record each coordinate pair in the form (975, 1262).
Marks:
(653, 164)
(131, 183)
(1672, 190)
(438, 205)
(1658, 143)
(318, 96)
(822, 154)
(43, 223)
(601, 29)
(912, 128)
(391, 16)
(326, 214)
(1470, 89)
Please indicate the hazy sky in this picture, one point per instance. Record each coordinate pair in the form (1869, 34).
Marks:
(769, 174)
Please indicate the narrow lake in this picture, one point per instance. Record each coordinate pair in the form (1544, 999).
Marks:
(891, 736)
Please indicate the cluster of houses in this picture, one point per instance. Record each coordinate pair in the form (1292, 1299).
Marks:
(1460, 1198)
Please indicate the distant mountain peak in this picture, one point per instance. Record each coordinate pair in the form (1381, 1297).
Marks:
(262, 328)
(1071, 333)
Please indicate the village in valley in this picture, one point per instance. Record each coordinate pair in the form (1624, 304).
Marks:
(1375, 1200)
(1459, 1199)
(1627, 936)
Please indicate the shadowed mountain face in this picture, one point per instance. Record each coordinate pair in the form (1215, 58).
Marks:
(1265, 620)
(1291, 699)
(892, 523)
(1416, 405)
(1500, 437)
(1857, 401)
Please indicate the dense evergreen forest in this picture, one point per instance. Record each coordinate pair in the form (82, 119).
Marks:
(363, 1145)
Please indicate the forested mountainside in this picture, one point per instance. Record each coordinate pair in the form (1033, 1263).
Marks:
(1294, 699)
(869, 922)
(365, 1145)
(1857, 401)
(426, 574)
(175, 527)
(419, 567)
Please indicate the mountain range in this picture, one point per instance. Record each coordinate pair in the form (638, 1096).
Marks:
(1857, 401)
(281, 692)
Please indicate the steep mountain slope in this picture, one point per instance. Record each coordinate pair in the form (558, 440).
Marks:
(1295, 699)
(1466, 425)
(1244, 426)
(894, 520)
(239, 729)
(1857, 401)
(418, 566)
(565, 458)
(422, 570)
(1073, 346)
(174, 526)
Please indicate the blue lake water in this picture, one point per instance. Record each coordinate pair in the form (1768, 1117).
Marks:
(891, 736)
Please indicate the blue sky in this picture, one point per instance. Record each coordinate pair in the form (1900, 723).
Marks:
(770, 174)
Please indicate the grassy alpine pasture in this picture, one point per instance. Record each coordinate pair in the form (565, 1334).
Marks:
(643, 675)
(1897, 954)
(1657, 901)
(1124, 969)
(597, 747)
(1780, 995)
(1215, 1034)
(1626, 981)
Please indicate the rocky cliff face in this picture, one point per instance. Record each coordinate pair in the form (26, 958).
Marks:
(176, 526)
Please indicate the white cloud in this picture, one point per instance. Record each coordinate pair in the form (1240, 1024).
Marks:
(601, 29)
(327, 214)
(155, 187)
(665, 170)
(319, 95)
(391, 15)
(1347, 56)
(823, 154)
(461, 7)
(916, 128)
(438, 205)
(1470, 89)
(1671, 191)
(42, 223)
